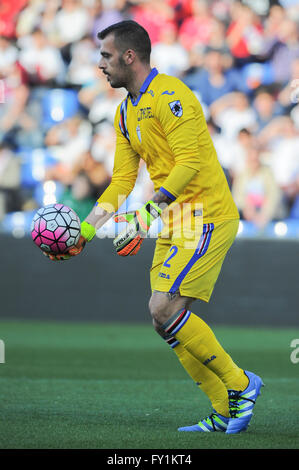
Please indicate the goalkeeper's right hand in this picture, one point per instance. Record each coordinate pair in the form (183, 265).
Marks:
(87, 233)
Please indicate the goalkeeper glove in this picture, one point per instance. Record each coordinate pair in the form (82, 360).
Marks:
(128, 242)
(87, 234)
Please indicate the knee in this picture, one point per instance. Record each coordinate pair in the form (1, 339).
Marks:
(158, 328)
(158, 307)
(162, 308)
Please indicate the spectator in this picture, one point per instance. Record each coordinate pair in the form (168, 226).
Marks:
(244, 34)
(221, 10)
(292, 8)
(84, 56)
(103, 106)
(231, 155)
(15, 93)
(47, 21)
(96, 171)
(67, 141)
(168, 55)
(182, 9)
(239, 149)
(29, 18)
(218, 41)
(93, 88)
(212, 81)
(71, 24)
(197, 28)
(154, 16)
(266, 108)
(9, 12)
(8, 55)
(223, 152)
(273, 21)
(78, 196)
(196, 60)
(289, 95)
(89, 181)
(102, 17)
(103, 146)
(9, 181)
(282, 139)
(281, 50)
(42, 62)
(255, 191)
(232, 112)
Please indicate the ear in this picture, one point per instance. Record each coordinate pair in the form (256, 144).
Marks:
(129, 56)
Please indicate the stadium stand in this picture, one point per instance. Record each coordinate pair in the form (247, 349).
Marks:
(241, 58)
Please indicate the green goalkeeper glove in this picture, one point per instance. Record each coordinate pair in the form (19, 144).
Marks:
(128, 242)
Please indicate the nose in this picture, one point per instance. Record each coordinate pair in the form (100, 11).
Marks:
(102, 64)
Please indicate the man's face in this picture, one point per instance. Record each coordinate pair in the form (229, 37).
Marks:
(112, 63)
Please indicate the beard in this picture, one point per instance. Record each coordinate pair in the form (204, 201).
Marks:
(116, 83)
(122, 78)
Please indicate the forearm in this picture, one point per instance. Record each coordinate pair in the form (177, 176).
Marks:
(161, 199)
(177, 180)
(98, 217)
(108, 203)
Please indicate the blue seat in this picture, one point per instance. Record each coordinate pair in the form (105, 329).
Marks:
(33, 165)
(294, 213)
(58, 105)
(17, 223)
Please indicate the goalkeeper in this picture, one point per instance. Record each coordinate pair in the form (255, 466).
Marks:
(162, 122)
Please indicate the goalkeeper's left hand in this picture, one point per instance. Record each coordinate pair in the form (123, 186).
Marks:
(87, 234)
(128, 242)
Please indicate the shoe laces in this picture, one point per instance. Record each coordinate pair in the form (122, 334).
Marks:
(234, 399)
(211, 417)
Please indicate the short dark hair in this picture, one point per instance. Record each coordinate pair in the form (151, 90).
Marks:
(130, 35)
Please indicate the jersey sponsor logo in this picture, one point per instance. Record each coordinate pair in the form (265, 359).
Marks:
(176, 108)
(144, 113)
(166, 92)
(151, 93)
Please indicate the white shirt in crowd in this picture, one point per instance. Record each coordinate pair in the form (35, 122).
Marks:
(71, 26)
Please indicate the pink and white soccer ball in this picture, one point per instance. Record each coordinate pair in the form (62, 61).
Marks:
(55, 228)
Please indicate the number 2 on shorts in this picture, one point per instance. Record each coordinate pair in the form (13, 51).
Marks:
(173, 250)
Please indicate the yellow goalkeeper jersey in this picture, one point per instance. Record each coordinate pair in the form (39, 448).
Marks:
(166, 127)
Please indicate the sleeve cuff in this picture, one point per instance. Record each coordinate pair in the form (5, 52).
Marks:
(167, 193)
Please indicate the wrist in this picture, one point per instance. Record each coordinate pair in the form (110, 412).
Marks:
(88, 231)
(148, 213)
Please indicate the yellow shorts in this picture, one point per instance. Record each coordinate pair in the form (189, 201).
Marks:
(192, 270)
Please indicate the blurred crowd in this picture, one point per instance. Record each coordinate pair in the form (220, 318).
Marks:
(241, 59)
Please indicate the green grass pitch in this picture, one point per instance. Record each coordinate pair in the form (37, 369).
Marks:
(118, 386)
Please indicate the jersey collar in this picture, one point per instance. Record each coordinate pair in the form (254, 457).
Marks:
(144, 86)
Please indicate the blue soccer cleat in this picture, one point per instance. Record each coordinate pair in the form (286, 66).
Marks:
(241, 404)
(213, 423)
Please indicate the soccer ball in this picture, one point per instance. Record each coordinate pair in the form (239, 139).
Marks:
(55, 228)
